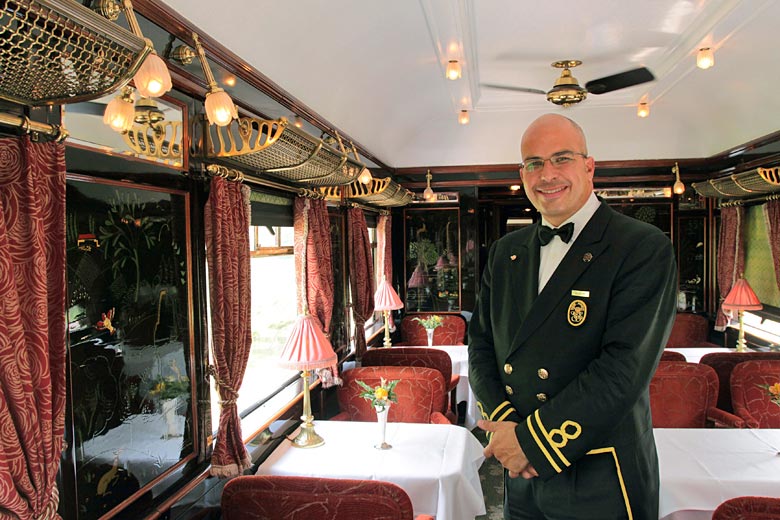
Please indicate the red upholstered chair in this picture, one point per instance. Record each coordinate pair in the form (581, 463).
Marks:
(420, 391)
(752, 402)
(670, 355)
(263, 497)
(451, 332)
(748, 508)
(690, 330)
(418, 357)
(683, 395)
(724, 363)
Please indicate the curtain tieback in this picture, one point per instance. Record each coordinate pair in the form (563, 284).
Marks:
(224, 388)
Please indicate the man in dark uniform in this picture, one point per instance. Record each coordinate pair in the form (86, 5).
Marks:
(570, 322)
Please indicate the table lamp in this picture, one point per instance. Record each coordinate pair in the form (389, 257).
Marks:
(418, 281)
(307, 349)
(386, 300)
(741, 298)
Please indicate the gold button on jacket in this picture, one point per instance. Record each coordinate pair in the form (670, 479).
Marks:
(509, 390)
(541, 396)
(507, 369)
(542, 373)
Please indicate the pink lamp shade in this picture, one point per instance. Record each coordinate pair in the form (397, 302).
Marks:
(742, 298)
(385, 298)
(441, 263)
(307, 348)
(417, 279)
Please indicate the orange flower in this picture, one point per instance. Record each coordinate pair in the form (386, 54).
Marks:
(774, 389)
(380, 393)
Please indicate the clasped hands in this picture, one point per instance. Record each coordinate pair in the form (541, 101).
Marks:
(504, 447)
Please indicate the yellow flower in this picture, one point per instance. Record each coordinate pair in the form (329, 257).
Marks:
(380, 393)
(774, 389)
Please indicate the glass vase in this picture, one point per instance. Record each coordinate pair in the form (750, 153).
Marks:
(429, 332)
(381, 419)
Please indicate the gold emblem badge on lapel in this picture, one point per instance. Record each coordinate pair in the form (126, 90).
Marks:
(577, 313)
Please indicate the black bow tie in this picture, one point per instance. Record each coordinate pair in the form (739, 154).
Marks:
(547, 233)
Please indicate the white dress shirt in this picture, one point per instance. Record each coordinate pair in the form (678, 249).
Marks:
(552, 254)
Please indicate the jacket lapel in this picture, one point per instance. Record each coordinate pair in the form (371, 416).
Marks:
(585, 250)
(523, 276)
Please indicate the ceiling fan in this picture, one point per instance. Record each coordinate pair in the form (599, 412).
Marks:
(567, 91)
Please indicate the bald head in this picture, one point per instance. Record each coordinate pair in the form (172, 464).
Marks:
(553, 124)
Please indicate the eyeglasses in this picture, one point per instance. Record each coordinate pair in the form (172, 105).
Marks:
(557, 160)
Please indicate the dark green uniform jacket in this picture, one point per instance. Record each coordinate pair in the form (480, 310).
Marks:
(572, 365)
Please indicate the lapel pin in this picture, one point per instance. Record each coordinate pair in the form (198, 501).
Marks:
(587, 257)
(513, 258)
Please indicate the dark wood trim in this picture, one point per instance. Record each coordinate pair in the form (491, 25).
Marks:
(173, 23)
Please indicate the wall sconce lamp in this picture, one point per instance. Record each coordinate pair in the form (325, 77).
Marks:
(463, 117)
(705, 58)
(220, 109)
(365, 176)
(297, 122)
(741, 298)
(152, 78)
(120, 111)
(679, 187)
(643, 109)
(428, 193)
(453, 71)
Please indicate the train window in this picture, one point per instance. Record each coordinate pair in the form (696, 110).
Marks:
(273, 313)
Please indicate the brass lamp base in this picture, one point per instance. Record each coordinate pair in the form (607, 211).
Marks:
(307, 437)
(387, 343)
(741, 343)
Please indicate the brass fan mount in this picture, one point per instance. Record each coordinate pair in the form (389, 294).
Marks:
(567, 91)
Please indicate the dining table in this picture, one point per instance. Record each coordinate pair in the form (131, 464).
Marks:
(702, 467)
(436, 464)
(694, 354)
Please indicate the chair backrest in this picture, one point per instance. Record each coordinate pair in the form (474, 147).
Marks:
(688, 331)
(420, 392)
(451, 332)
(681, 393)
(264, 497)
(748, 508)
(670, 355)
(724, 363)
(410, 357)
(750, 396)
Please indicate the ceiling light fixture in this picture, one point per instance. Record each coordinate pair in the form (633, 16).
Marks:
(120, 112)
(152, 78)
(428, 194)
(679, 187)
(705, 58)
(220, 109)
(643, 110)
(463, 117)
(365, 176)
(453, 71)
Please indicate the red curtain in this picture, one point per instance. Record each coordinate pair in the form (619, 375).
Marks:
(227, 249)
(731, 256)
(384, 247)
(32, 326)
(361, 275)
(318, 271)
(772, 218)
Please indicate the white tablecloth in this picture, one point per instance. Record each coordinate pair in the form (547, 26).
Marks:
(436, 464)
(701, 468)
(694, 355)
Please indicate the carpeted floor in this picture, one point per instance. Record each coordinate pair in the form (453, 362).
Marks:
(491, 475)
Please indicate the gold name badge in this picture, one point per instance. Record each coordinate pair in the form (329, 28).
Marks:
(577, 313)
(581, 294)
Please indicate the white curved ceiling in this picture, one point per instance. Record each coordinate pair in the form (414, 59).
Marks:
(376, 70)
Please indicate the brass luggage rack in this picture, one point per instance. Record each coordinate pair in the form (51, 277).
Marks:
(58, 51)
(281, 150)
(745, 184)
(379, 192)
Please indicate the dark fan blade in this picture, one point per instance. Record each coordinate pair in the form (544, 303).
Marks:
(625, 79)
(514, 89)
(87, 107)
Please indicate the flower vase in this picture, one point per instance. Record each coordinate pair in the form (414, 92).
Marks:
(381, 419)
(429, 332)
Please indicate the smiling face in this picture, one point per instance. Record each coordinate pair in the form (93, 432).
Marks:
(556, 191)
